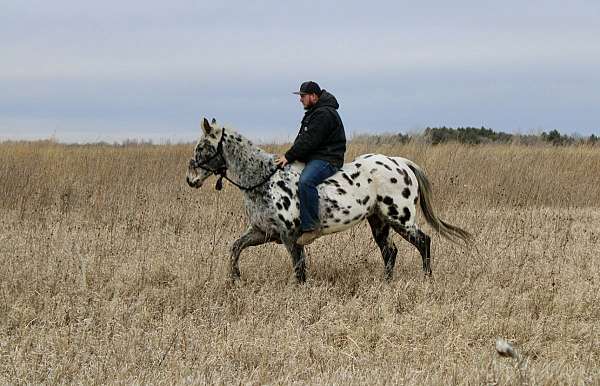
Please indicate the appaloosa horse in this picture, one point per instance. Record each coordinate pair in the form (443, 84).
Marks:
(384, 190)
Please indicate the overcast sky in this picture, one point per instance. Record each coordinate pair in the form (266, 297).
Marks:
(88, 71)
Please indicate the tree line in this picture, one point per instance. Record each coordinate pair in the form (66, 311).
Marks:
(481, 135)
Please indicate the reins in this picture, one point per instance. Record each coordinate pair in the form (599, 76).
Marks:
(222, 172)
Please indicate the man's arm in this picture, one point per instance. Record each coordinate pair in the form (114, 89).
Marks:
(320, 126)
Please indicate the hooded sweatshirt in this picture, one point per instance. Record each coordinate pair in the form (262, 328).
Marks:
(321, 135)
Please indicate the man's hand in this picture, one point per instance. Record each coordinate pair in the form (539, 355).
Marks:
(280, 160)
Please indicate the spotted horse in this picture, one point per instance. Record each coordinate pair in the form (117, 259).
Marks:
(384, 190)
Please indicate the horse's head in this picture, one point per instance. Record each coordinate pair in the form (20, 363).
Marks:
(208, 157)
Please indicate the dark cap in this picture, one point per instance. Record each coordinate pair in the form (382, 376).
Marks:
(309, 87)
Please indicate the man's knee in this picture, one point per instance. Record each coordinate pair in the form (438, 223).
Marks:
(308, 181)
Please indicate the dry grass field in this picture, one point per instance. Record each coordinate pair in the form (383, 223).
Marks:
(114, 271)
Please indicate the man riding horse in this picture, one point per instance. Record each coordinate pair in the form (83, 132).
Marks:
(384, 190)
(321, 143)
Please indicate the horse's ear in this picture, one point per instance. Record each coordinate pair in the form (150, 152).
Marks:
(206, 126)
(214, 121)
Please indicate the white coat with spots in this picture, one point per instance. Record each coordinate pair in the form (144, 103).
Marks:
(384, 190)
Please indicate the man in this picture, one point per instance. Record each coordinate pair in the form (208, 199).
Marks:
(321, 144)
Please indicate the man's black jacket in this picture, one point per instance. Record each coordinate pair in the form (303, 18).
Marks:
(321, 134)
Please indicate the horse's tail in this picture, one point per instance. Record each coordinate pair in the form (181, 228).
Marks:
(449, 231)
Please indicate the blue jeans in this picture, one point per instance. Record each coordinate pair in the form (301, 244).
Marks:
(315, 172)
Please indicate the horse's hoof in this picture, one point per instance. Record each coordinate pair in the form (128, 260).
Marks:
(301, 279)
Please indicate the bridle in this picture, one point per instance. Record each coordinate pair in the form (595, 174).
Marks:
(222, 171)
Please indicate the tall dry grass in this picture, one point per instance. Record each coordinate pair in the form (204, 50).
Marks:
(114, 271)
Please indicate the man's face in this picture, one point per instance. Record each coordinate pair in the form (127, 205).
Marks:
(308, 100)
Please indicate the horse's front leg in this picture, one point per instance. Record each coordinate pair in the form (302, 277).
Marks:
(298, 259)
(250, 238)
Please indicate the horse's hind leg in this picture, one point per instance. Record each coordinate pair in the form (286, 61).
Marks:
(420, 240)
(250, 238)
(381, 234)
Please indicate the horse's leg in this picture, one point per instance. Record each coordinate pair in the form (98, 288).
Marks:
(381, 234)
(250, 238)
(420, 240)
(298, 259)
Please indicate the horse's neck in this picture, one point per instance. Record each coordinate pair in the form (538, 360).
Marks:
(247, 164)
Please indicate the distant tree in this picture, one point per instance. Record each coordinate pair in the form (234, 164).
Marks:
(556, 139)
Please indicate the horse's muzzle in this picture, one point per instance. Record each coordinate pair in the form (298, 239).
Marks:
(196, 183)
(192, 176)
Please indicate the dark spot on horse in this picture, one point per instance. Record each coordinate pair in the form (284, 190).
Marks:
(379, 198)
(357, 217)
(388, 200)
(325, 226)
(358, 184)
(328, 210)
(392, 211)
(297, 222)
(406, 216)
(416, 199)
(286, 202)
(365, 200)
(341, 191)
(337, 220)
(334, 182)
(357, 165)
(368, 156)
(346, 211)
(285, 188)
(369, 180)
(393, 180)
(347, 222)
(288, 223)
(384, 165)
(347, 178)
(354, 175)
(278, 205)
(393, 160)
(403, 173)
(406, 193)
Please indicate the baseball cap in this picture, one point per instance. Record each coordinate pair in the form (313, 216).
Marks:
(309, 87)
